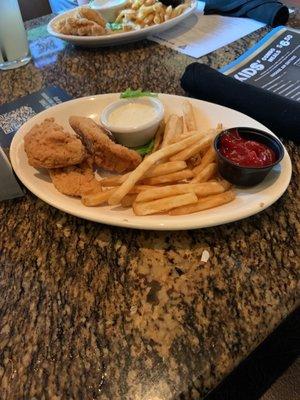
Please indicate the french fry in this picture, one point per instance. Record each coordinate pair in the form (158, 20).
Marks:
(140, 188)
(144, 11)
(184, 135)
(207, 173)
(157, 6)
(147, 163)
(208, 188)
(179, 127)
(192, 150)
(204, 203)
(96, 199)
(158, 137)
(209, 157)
(157, 20)
(165, 191)
(93, 200)
(174, 177)
(161, 169)
(124, 14)
(116, 180)
(189, 117)
(128, 200)
(147, 193)
(165, 204)
(174, 127)
(179, 9)
(169, 10)
(226, 185)
(166, 168)
(149, 19)
(200, 189)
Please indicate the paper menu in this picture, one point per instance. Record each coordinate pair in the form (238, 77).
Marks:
(201, 34)
(16, 113)
(272, 64)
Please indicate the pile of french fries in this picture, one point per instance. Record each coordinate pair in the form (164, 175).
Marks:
(179, 177)
(149, 12)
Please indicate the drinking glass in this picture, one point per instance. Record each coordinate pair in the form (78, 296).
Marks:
(14, 51)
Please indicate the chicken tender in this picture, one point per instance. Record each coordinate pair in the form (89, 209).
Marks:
(75, 181)
(107, 154)
(47, 145)
(92, 15)
(80, 27)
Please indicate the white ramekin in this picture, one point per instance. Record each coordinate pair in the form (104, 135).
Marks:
(137, 136)
(109, 9)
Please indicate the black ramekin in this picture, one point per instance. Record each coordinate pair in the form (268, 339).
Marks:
(247, 176)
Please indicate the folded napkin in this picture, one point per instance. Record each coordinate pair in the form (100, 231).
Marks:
(270, 12)
(9, 187)
(279, 114)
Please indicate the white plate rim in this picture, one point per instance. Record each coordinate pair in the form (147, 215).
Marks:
(117, 37)
(174, 223)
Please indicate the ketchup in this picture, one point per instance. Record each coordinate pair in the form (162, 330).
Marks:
(244, 152)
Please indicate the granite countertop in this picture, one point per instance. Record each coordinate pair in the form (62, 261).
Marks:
(89, 311)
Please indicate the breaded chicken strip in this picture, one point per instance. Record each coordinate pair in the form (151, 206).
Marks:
(48, 146)
(107, 154)
(80, 27)
(75, 181)
(92, 15)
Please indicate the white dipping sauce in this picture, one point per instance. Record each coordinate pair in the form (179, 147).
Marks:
(132, 115)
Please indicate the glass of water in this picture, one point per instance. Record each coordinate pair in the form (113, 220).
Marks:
(14, 51)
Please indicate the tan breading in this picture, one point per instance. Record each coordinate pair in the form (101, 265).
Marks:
(47, 145)
(107, 154)
(75, 181)
(80, 27)
(92, 15)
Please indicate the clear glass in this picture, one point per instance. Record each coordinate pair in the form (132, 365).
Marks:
(14, 51)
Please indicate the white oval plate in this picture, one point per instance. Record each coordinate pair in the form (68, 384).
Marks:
(248, 201)
(116, 38)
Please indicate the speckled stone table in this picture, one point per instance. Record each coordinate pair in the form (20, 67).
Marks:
(89, 311)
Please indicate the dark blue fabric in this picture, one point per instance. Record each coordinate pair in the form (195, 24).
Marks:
(271, 12)
(278, 113)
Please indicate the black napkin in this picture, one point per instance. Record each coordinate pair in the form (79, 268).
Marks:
(270, 12)
(279, 114)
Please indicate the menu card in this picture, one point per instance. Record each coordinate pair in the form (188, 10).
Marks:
(272, 64)
(16, 113)
(201, 34)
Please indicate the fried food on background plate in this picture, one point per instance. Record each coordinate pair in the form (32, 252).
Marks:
(80, 27)
(92, 15)
(48, 145)
(107, 154)
(85, 22)
(75, 181)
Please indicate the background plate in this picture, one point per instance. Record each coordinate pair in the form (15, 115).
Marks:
(248, 201)
(117, 38)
